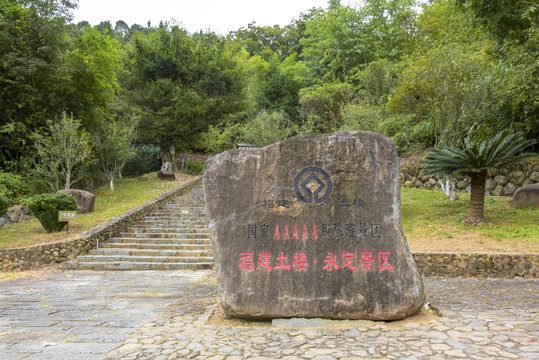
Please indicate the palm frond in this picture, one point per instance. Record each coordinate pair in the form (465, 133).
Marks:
(501, 150)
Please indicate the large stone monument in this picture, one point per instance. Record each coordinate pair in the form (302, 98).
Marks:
(311, 227)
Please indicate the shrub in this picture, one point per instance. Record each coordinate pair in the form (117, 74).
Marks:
(13, 187)
(146, 159)
(4, 204)
(193, 167)
(45, 208)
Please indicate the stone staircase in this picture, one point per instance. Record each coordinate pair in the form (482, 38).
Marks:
(174, 237)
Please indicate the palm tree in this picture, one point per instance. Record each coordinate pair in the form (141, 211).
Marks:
(475, 159)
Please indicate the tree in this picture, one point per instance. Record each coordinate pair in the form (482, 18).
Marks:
(62, 155)
(475, 159)
(113, 148)
(31, 75)
(181, 85)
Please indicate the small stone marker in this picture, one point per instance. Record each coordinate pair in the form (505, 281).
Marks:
(85, 200)
(311, 227)
(526, 196)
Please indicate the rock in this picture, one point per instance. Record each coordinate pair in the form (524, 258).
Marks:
(85, 200)
(509, 189)
(500, 179)
(432, 181)
(418, 184)
(461, 185)
(166, 175)
(526, 196)
(534, 176)
(499, 190)
(408, 184)
(527, 182)
(517, 178)
(490, 184)
(311, 228)
(18, 214)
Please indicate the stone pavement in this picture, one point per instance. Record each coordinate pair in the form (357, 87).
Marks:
(166, 315)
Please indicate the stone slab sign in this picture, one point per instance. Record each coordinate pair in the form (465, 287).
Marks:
(85, 200)
(311, 227)
(526, 196)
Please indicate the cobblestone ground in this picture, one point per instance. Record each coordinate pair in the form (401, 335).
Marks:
(167, 315)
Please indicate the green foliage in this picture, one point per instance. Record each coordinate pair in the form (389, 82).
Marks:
(446, 87)
(361, 117)
(13, 187)
(182, 85)
(323, 104)
(193, 167)
(218, 139)
(145, 159)
(267, 128)
(63, 154)
(4, 204)
(498, 152)
(45, 208)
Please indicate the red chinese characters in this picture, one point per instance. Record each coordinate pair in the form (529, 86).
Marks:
(348, 261)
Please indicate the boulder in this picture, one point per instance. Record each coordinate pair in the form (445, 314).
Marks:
(311, 227)
(490, 184)
(85, 200)
(166, 175)
(501, 180)
(526, 196)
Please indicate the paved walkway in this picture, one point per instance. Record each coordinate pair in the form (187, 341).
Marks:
(166, 315)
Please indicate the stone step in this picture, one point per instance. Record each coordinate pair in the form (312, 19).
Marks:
(152, 246)
(166, 230)
(160, 241)
(152, 252)
(156, 235)
(173, 237)
(155, 225)
(82, 265)
(146, 259)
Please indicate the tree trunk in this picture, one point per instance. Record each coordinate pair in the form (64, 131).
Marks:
(477, 197)
(167, 163)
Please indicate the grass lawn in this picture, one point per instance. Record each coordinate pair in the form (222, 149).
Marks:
(127, 194)
(432, 222)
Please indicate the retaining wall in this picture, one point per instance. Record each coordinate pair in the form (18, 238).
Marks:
(56, 252)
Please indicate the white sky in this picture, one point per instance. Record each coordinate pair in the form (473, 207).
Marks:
(220, 16)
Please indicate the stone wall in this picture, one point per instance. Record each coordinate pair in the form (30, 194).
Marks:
(45, 254)
(478, 265)
(500, 182)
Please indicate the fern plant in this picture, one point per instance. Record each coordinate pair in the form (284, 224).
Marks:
(475, 159)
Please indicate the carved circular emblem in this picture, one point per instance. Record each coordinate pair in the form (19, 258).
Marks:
(313, 185)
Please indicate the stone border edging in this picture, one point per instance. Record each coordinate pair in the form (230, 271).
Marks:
(478, 265)
(36, 256)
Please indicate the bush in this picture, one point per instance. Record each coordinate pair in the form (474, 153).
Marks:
(193, 167)
(146, 159)
(45, 208)
(4, 205)
(13, 187)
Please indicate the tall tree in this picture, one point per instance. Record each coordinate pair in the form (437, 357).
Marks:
(181, 84)
(31, 75)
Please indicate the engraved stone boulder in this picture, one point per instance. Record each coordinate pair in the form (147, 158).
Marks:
(526, 196)
(311, 227)
(85, 200)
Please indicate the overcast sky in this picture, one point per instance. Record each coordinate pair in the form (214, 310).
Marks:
(220, 16)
